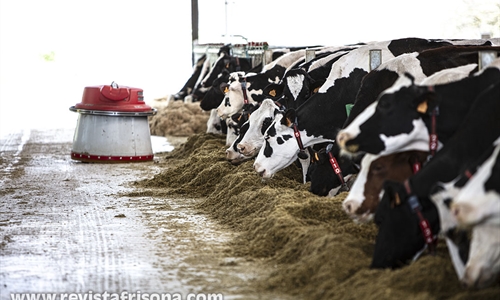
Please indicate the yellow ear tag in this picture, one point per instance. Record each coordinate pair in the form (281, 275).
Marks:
(316, 156)
(288, 122)
(397, 200)
(316, 90)
(272, 93)
(226, 89)
(422, 107)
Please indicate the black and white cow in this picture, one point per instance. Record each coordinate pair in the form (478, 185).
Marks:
(318, 119)
(374, 130)
(405, 208)
(477, 205)
(368, 184)
(484, 261)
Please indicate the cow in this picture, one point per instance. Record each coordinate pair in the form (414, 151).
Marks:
(319, 118)
(443, 195)
(477, 205)
(364, 195)
(406, 206)
(389, 125)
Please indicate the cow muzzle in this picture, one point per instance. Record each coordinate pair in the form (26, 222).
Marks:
(342, 139)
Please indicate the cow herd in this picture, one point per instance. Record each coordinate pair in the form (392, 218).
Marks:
(414, 140)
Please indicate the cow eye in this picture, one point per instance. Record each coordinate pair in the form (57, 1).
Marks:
(377, 169)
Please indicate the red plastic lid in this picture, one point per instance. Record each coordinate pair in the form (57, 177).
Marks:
(113, 98)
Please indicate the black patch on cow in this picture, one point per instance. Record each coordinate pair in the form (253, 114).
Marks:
(265, 124)
(492, 182)
(286, 137)
(372, 85)
(461, 239)
(272, 130)
(243, 131)
(280, 141)
(268, 150)
(407, 45)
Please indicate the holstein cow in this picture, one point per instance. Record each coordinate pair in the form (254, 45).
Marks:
(364, 194)
(374, 130)
(421, 63)
(224, 65)
(406, 217)
(457, 239)
(319, 118)
(478, 205)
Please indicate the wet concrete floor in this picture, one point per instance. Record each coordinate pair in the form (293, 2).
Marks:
(65, 228)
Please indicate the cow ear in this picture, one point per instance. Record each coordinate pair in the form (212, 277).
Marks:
(313, 154)
(273, 90)
(224, 87)
(394, 191)
(426, 102)
(289, 117)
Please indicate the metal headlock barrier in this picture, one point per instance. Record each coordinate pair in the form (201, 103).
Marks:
(255, 52)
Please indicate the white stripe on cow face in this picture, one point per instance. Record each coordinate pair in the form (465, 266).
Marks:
(295, 84)
(356, 195)
(417, 139)
(474, 204)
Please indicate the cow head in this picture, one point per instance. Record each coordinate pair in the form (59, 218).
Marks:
(365, 193)
(324, 180)
(235, 93)
(280, 147)
(214, 95)
(259, 121)
(395, 122)
(232, 154)
(399, 238)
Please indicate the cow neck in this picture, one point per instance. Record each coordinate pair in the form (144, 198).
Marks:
(336, 167)
(244, 90)
(296, 133)
(430, 239)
